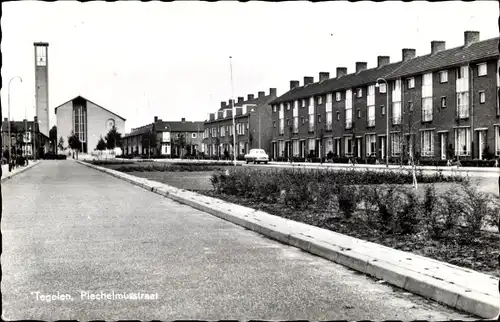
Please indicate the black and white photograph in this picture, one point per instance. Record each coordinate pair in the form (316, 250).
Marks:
(259, 160)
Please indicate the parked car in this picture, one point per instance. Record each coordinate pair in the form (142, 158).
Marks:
(257, 156)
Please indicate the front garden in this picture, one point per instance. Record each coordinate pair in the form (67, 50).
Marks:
(443, 220)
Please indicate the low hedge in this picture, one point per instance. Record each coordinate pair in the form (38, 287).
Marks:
(171, 168)
(386, 206)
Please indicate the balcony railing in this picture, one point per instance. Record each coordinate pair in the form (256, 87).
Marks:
(348, 124)
(329, 126)
(463, 111)
(371, 122)
(396, 120)
(426, 115)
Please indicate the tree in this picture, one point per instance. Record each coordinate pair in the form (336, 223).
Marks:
(113, 138)
(74, 142)
(60, 144)
(53, 137)
(101, 145)
(180, 142)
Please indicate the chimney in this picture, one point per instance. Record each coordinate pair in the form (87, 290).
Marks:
(272, 92)
(437, 45)
(222, 105)
(5, 119)
(156, 119)
(294, 83)
(360, 66)
(383, 60)
(323, 76)
(35, 119)
(250, 97)
(240, 100)
(470, 37)
(230, 104)
(262, 94)
(308, 80)
(341, 71)
(409, 53)
(183, 119)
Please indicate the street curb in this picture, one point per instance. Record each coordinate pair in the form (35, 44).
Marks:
(458, 296)
(10, 175)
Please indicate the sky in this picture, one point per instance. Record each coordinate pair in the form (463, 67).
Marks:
(171, 60)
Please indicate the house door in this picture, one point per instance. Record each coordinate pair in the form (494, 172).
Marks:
(317, 147)
(287, 149)
(358, 147)
(381, 141)
(442, 144)
(482, 143)
(274, 151)
(301, 149)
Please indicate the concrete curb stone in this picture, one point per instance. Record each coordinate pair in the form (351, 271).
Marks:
(477, 294)
(6, 175)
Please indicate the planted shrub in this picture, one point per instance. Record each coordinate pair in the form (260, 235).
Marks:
(475, 210)
(347, 197)
(408, 214)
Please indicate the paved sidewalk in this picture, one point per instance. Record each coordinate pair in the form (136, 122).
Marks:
(7, 175)
(461, 288)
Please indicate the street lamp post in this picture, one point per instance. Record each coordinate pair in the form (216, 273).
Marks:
(8, 105)
(386, 119)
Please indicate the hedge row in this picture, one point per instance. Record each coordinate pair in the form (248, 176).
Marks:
(389, 208)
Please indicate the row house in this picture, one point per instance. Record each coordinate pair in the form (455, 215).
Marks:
(435, 106)
(165, 138)
(252, 124)
(25, 138)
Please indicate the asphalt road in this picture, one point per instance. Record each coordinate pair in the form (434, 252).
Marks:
(70, 229)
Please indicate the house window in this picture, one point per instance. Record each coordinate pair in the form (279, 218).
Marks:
(319, 118)
(382, 110)
(358, 113)
(410, 106)
(370, 145)
(359, 92)
(481, 69)
(274, 108)
(427, 109)
(193, 135)
(338, 96)
(382, 88)
(287, 122)
(462, 72)
(482, 97)
(303, 103)
(395, 144)
(463, 104)
(427, 143)
(396, 113)
(443, 76)
(320, 99)
(274, 123)
(288, 106)
(303, 120)
(411, 82)
(338, 116)
(443, 101)
(462, 141)
(371, 116)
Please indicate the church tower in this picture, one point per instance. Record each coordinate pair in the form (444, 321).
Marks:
(42, 86)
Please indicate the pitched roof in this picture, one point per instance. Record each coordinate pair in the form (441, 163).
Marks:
(81, 97)
(19, 126)
(446, 58)
(258, 101)
(172, 126)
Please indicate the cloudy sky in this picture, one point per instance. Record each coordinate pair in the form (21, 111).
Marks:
(172, 59)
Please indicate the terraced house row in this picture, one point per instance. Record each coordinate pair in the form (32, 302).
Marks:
(436, 106)
(253, 126)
